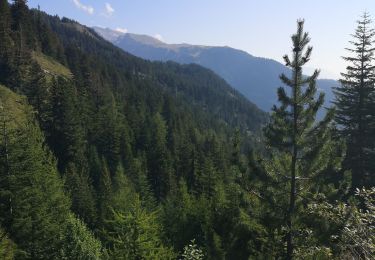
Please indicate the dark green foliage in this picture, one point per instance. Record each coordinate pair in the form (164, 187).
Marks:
(5, 23)
(124, 132)
(34, 208)
(131, 231)
(65, 133)
(182, 216)
(105, 189)
(302, 148)
(37, 91)
(159, 172)
(20, 11)
(151, 156)
(142, 185)
(78, 186)
(355, 105)
(135, 234)
(6, 42)
(108, 132)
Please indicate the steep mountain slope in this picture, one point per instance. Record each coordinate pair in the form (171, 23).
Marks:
(256, 78)
(194, 85)
(104, 155)
(124, 134)
(31, 192)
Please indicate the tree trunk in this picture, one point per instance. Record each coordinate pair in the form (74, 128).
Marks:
(292, 198)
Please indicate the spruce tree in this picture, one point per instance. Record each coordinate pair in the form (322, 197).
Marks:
(80, 242)
(159, 159)
(301, 147)
(20, 11)
(104, 191)
(66, 136)
(33, 205)
(23, 36)
(131, 231)
(355, 105)
(136, 234)
(6, 42)
(5, 25)
(78, 184)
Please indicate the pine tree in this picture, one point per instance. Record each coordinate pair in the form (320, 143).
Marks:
(136, 234)
(138, 173)
(207, 178)
(6, 42)
(23, 25)
(5, 25)
(355, 100)
(66, 136)
(301, 147)
(182, 217)
(104, 191)
(131, 231)
(23, 37)
(6, 204)
(159, 159)
(80, 242)
(36, 90)
(33, 205)
(108, 132)
(20, 11)
(78, 184)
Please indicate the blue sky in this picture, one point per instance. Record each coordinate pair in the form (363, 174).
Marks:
(260, 27)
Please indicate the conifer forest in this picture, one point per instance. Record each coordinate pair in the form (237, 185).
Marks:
(105, 155)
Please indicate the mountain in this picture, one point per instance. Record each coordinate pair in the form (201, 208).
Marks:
(98, 144)
(105, 155)
(255, 77)
(108, 34)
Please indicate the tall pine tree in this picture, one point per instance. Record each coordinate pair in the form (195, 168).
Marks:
(355, 105)
(6, 42)
(301, 147)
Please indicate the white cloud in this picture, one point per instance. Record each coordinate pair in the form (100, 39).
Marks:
(109, 9)
(158, 36)
(121, 30)
(87, 8)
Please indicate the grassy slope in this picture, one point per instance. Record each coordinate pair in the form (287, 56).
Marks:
(12, 108)
(51, 67)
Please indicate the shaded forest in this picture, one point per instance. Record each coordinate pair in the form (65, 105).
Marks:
(104, 155)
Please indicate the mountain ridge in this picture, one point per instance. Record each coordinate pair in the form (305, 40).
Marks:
(257, 78)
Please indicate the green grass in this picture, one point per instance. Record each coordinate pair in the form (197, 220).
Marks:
(51, 67)
(13, 107)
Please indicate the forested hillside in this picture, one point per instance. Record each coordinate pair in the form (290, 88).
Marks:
(128, 136)
(104, 155)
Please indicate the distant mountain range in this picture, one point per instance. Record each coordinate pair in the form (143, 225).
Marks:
(255, 77)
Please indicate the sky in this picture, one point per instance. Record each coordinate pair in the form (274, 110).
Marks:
(259, 27)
